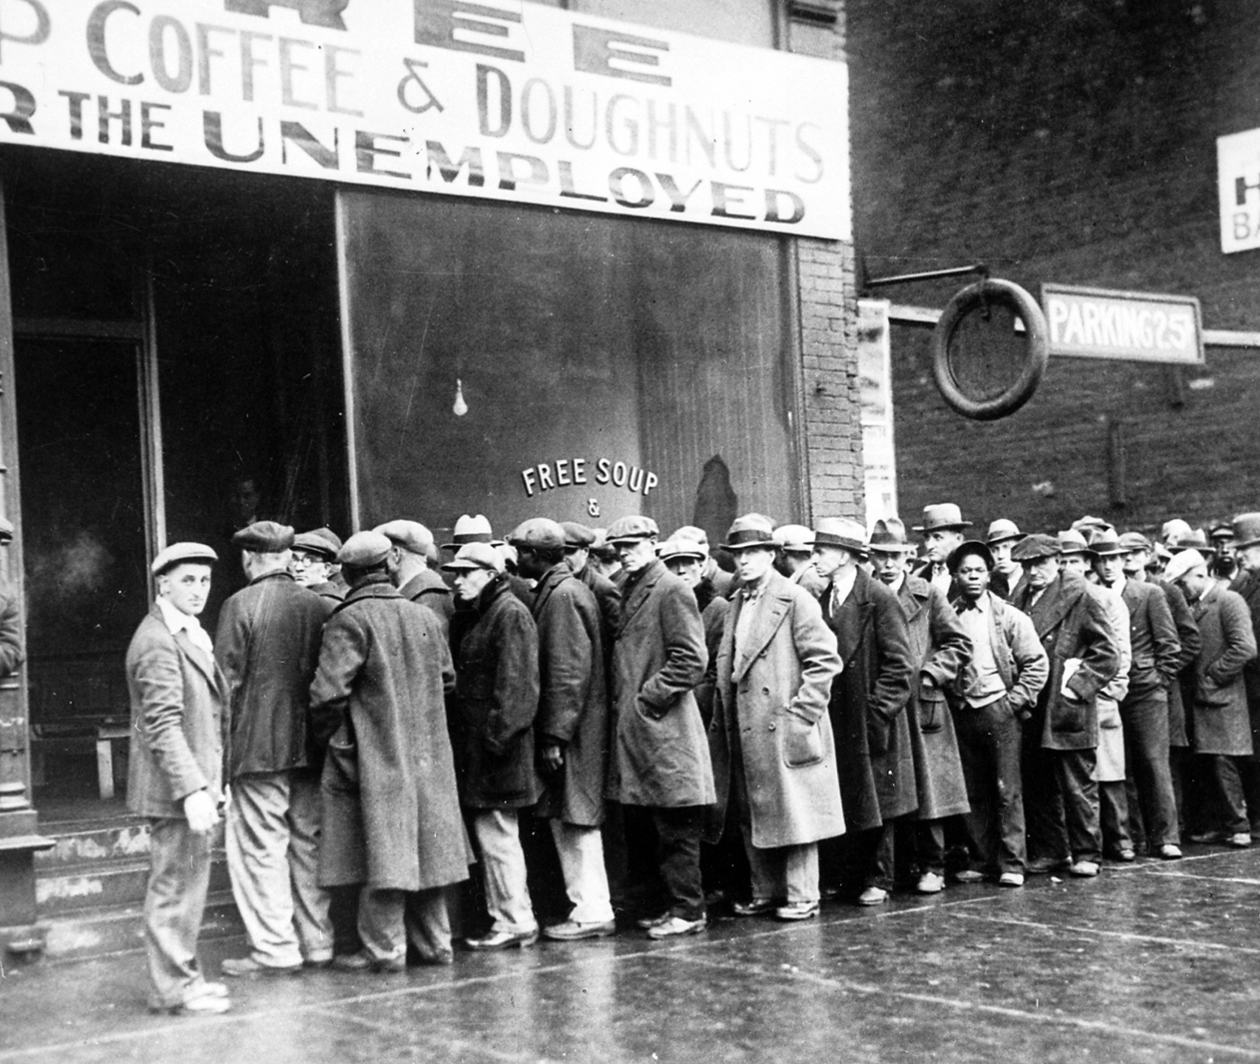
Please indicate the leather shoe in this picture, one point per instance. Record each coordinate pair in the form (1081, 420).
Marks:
(797, 910)
(1084, 869)
(677, 925)
(755, 907)
(1170, 852)
(873, 896)
(644, 922)
(1011, 879)
(1205, 837)
(1044, 866)
(201, 1000)
(968, 875)
(1239, 841)
(1125, 856)
(929, 883)
(502, 940)
(246, 967)
(365, 962)
(574, 930)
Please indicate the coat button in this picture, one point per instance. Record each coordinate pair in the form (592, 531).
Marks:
(772, 725)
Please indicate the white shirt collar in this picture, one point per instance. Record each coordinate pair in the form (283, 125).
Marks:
(177, 621)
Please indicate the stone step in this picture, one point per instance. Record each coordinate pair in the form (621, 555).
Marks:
(103, 884)
(114, 840)
(98, 932)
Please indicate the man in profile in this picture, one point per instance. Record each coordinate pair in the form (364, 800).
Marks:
(178, 723)
(411, 548)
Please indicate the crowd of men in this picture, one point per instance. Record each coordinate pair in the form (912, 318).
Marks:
(837, 717)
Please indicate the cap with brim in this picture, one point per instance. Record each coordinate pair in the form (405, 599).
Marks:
(537, 533)
(1131, 541)
(841, 532)
(694, 533)
(634, 527)
(264, 537)
(470, 528)
(178, 553)
(475, 556)
(795, 539)
(364, 550)
(1224, 530)
(1072, 542)
(1035, 547)
(752, 531)
(1246, 530)
(942, 517)
(1105, 544)
(968, 547)
(577, 536)
(674, 548)
(1182, 562)
(1003, 530)
(412, 536)
(888, 535)
(322, 541)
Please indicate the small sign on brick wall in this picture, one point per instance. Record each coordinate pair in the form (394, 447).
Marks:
(1131, 326)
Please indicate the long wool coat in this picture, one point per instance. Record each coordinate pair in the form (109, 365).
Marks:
(1072, 626)
(179, 720)
(496, 698)
(868, 701)
(1248, 586)
(267, 644)
(1109, 767)
(1222, 724)
(939, 649)
(391, 811)
(1181, 690)
(573, 701)
(771, 723)
(660, 754)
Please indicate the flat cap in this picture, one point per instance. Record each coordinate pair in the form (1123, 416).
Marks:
(266, 537)
(964, 550)
(470, 528)
(177, 553)
(748, 532)
(322, 541)
(888, 534)
(1130, 541)
(1182, 562)
(537, 533)
(841, 532)
(1034, 547)
(412, 536)
(694, 533)
(475, 555)
(680, 547)
(795, 539)
(576, 535)
(1222, 530)
(941, 516)
(633, 527)
(1003, 529)
(364, 550)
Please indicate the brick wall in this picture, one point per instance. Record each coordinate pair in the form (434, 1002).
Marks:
(1071, 142)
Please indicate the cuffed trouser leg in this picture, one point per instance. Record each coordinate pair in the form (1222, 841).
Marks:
(428, 923)
(1075, 772)
(257, 844)
(381, 923)
(311, 902)
(581, 853)
(1226, 783)
(174, 903)
(503, 868)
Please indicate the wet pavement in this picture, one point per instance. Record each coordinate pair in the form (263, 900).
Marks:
(1150, 962)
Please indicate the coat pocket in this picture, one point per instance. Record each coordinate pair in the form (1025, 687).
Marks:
(802, 742)
(931, 714)
(341, 765)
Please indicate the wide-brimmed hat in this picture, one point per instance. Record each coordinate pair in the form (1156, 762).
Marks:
(940, 516)
(470, 528)
(841, 532)
(1001, 530)
(748, 532)
(888, 535)
(1246, 530)
(1105, 543)
(1196, 540)
(970, 546)
(1071, 541)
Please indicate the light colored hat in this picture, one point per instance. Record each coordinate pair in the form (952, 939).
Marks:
(1182, 562)
(1130, 541)
(694, 533)
(1003, 529)
(1105, 543)
(1174, 531)
(675, 547)
(889, 536)
(942, 515)
(841, 532)
(749, 531)
(177, 553)
(795, 539)
(1071, 541)
(470, 528)
(412, 536)
(475, 555)
(364, 550)
(1088, 524)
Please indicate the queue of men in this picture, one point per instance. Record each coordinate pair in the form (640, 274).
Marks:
(835, 718)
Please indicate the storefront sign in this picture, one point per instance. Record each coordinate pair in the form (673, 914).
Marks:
(1135, 326)
(576, 472)
(1238, 187)
(486, 98)
(879, 455)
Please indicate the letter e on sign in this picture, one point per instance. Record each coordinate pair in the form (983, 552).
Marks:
(457, 25)
(615, 54)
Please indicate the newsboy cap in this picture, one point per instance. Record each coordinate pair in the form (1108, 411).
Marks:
(841, 532)
(470, 528)
(537, 533)
(364, 550)
(265, 537)
(1003, 529)
(748, 532)
(1034, 547)
(1246, 530)
(625, 529)
(694, 533)
(322, 541)
(1173, 531)
(475, 555)
(888, 534)
(177, 553)
(680, 547)
(412, 536)
(577, 536)
(1182, 562)
(794, 539)
(941, 516)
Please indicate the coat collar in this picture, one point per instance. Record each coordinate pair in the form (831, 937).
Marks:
(770, 608)
(637, 589)
(550, 580)
(204, 663)
(375, 586)
(1055, 603)
(425, 580)
(914, 594)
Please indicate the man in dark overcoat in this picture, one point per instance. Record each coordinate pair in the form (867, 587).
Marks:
(571, 730)
(578, 540)
(659, 771)
(496, 702)
(313, 563)
(267, 644)
(868, 702)
(179, 721)
(1247, 584)
(391, 807)
(943, 530)
(1221, 722)
(411, 548)
(1061, 737)
(939, 649)
(774, 755)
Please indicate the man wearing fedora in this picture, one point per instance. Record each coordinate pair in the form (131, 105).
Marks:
(1155, 663)
(867, 707)
(1060, 740)
(660, 770)
(179, 722)
(943, 530)
(1002, 536)
(267, 644)
(939, 649)
(774, 757)
(1220, 718)
(1247, 584)
(411, 550)
(313, 563)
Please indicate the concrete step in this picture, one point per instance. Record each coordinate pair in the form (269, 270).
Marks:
(78, 844)
(100, 931)
(63, 889)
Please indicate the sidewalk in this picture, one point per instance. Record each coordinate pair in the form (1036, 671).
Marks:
(1150, 962)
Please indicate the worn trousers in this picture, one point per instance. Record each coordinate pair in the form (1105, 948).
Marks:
(1063, 818)
(785, 872)
(1113, 816)
(1145, 720)
(503, 870)
(388, 918)
(989, 744)
(174, 903)
(272, 843)
(580, 851)
(668, 866)
(1225, 787)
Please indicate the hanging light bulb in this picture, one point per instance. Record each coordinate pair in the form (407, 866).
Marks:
(460, 408)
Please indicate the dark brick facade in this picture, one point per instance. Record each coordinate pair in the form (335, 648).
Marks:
(1072, 142)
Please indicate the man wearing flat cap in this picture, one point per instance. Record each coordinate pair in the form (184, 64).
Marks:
(867, 707)
(411, 549)
(794, 560)
(943, 530)
(179, 722)
(578, 541)
(1247, 584)
(313, 563)
(1061, 737)
(715, 581)
(392, 822)
(774, 754)
(940, 649)
(660, 770)
(1219, 715)
(267, 644)
(571, 730)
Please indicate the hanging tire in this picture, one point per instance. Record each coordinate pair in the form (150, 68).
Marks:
(974, 298)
